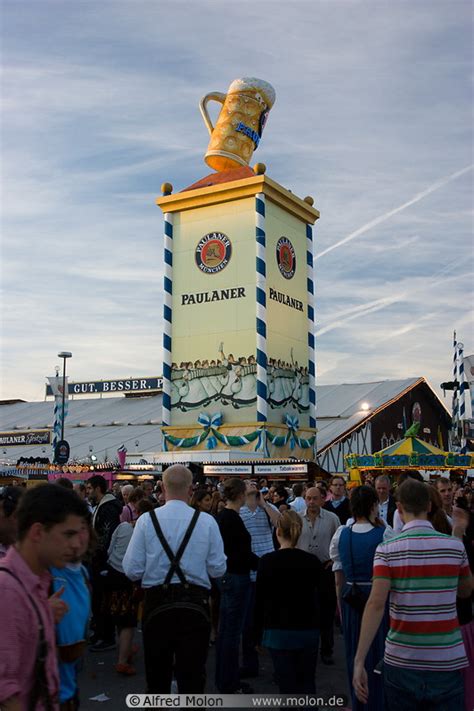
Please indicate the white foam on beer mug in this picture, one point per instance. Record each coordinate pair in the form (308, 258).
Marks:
(246, 83)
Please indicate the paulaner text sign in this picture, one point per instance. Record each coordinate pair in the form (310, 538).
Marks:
(26, 438)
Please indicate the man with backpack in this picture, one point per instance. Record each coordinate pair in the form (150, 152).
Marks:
(174, 551)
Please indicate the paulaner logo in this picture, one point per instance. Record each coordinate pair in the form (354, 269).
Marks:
(286, 257)
(213, 252)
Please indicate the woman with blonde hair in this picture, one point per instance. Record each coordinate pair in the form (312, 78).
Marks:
(287, 610)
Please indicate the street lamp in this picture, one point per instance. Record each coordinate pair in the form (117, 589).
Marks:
(64, 355)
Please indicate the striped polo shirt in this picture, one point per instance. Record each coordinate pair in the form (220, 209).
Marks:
(260, 527)
(423, 567)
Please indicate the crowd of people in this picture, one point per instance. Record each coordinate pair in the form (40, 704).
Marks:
(243, 565)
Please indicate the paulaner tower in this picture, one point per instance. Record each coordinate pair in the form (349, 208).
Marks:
(238, 342)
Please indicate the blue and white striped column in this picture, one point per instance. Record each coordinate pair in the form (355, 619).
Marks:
(167, 317)
(261, 308)
(311, 328)
(58, 420)
(455, 413)
(462, 395)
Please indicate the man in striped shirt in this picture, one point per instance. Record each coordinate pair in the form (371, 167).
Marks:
(260, 519)
(423, 571)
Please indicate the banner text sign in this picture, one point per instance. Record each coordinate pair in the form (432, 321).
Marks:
(26, 438)
(129, 385)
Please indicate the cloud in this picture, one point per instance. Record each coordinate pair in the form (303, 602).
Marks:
(386, 216)
(102, 109)
(360, 311)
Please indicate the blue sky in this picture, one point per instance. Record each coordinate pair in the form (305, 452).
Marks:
(373, 117)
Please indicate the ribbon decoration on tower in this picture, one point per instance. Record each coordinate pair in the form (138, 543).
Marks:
(212, 423)
(291, 436)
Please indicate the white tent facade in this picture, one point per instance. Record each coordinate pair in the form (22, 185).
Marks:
(97, 427)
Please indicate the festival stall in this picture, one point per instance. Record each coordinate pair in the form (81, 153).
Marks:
(32, 473)
(409, 453)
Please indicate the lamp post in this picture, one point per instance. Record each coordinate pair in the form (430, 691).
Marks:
(64, 355)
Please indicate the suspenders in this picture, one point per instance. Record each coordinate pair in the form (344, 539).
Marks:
(175, 567)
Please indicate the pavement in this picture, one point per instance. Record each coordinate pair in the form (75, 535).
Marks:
(99, 677)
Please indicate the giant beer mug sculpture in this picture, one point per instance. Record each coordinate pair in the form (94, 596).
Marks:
(240, 124)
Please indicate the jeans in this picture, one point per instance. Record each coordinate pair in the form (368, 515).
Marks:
(295, 670)
(235, 591)
(104, 624)
(416, 690)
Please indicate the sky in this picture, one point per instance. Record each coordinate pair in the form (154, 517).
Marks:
(373, 118)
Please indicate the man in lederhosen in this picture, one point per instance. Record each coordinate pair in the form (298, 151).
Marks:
(174, 551)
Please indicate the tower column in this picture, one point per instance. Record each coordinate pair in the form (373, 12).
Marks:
(261, 301)
(311, 333)
(167, 316)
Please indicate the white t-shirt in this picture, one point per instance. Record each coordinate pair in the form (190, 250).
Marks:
(398, 523)
(298, 505)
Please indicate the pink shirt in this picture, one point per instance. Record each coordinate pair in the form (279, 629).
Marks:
(129, 514)
(19, 631)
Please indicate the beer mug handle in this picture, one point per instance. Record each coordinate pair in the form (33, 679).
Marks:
(212, 96)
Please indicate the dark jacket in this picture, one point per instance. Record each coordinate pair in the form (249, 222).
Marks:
(237, 543)
(343, 511)
(105, 520)
(392, 507)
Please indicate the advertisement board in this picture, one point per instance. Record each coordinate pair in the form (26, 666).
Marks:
(225, 469)
(26, 438)
(287, 323)
(281, 469)
(213, 329)
(214, 310)
(123, 385)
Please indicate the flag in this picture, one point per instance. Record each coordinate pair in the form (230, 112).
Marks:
(440, 438)
(405, 421)
(56, 384)
(469, 368)
(122, 455)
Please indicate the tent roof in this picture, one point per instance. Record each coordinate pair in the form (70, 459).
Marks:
(411, 445)
(339, 406)
(106, 423)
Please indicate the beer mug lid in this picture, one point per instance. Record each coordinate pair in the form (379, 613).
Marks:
(257, 85)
